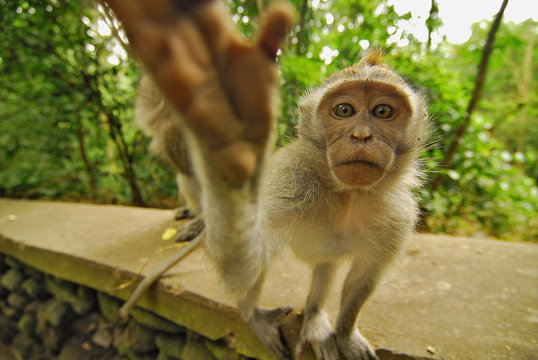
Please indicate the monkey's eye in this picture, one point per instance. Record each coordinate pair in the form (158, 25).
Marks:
(343, 110)
(383, 111)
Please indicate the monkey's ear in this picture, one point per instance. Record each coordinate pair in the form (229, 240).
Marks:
(275, 27)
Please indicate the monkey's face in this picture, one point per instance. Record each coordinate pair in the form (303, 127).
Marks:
(365, 125)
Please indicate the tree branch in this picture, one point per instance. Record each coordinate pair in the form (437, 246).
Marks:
(479, 82)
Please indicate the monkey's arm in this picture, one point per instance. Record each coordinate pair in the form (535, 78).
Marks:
(226, 83)
(317, 330)
(224, 88)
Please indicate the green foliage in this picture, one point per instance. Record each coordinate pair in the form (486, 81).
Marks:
(66, 104)
(490, 187)
(67, 92)
(486, 191)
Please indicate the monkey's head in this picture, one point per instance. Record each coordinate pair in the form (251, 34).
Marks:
(367, 121)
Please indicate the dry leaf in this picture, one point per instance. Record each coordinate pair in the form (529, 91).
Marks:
(169, 234)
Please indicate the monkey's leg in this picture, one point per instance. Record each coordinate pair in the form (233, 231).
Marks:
(265, 322)
(148, 281)
(357, 288)
(316, 329)
(189, 193)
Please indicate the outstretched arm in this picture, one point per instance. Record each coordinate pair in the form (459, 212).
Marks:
(224, 88)
(222, 84)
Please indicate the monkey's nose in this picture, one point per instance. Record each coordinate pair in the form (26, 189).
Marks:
(362, 134)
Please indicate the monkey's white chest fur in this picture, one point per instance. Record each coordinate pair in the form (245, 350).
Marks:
(355, 226)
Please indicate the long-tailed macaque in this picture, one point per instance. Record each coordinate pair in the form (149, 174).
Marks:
(341, 191)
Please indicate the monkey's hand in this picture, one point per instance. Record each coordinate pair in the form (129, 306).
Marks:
(317, 332)
(355, 346)
(222, 85)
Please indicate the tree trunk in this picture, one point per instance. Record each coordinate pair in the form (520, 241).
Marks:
(88, 166)
(116, 134)
(479, 82)
(525, 80)
(301, 34)
(126, 159)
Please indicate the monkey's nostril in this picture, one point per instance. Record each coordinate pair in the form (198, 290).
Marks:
(361, 136)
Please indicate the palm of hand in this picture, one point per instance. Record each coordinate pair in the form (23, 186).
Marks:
(222, 85)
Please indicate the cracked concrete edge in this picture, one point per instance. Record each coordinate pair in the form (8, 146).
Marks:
(206, 317)
(197, 313)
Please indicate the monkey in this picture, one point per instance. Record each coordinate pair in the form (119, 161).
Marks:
(227, 139)
(341, 191)
(344, 190)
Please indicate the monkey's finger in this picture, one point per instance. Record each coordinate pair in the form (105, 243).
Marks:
(155, 29)
(214, 121)
(143, 28)
(217, 28)
(172, 74)
(131, 13)
(187, 6)
(157, 11)
(275, 28)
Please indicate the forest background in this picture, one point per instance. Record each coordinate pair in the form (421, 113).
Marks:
(68, 85)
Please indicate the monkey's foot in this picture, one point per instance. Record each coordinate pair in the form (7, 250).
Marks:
(190, 230)
(183, 212)
(317, 332)
(265, 324)
(355, 346)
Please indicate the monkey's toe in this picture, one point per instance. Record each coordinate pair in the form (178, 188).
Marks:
(183, 212)
(317, 332)
(325, 349)
(356, 347)
(190, 230)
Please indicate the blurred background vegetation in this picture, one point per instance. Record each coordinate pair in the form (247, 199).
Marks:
(67, 88)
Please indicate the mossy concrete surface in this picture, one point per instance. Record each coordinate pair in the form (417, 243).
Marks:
(445, 298)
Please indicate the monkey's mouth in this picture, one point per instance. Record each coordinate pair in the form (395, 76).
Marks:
(358, 172)
(358, 162)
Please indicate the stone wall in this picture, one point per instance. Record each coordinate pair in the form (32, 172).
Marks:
(44, 318)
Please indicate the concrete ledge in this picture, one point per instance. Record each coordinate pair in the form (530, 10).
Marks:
(446, 298)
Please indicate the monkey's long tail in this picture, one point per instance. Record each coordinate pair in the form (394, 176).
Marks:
(148, 281)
